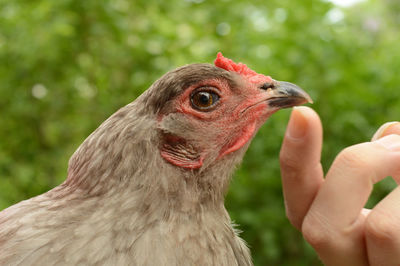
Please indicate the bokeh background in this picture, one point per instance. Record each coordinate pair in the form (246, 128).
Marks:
(66, 65)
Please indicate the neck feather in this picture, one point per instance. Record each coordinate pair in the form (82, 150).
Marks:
(122, 158)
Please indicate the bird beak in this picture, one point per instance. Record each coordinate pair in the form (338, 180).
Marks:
(285, 94)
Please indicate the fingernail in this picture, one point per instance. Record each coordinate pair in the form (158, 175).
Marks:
(297, 124)
(390, 142)
(384, 128)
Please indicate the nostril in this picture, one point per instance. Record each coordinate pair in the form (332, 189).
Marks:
(267, 86)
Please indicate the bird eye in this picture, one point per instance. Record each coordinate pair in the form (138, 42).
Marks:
(204, 99)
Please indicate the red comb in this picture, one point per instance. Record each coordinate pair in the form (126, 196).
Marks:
(240, 68)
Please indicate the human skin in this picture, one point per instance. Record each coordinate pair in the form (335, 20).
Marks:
(328, 208)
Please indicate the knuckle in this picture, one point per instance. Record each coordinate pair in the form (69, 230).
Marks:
(381, 227)
(315, 232)
(353, 157)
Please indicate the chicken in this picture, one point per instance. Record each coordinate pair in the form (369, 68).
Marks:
(147, 187)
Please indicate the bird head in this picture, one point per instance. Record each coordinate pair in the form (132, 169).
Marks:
(217, 111)
(195, 122)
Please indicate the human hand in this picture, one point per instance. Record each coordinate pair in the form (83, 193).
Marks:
(329, 212)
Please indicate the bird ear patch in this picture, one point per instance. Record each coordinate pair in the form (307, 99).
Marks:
(240, 68)
(178, 152)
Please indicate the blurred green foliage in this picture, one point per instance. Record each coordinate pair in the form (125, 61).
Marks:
(66, 65)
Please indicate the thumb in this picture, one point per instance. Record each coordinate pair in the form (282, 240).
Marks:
(387, 129)
(300, 163)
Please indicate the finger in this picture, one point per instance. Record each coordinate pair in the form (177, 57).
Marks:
(300, 163)
(333, 225)
(382, 231)
(350, 179)
(387, 129)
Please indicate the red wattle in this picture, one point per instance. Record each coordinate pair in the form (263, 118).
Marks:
(246, 134)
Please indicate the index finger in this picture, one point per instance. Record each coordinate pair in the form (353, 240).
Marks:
(334, 223)
(351, 177)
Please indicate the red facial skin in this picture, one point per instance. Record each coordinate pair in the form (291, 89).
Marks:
(234, 118)
(228, 125)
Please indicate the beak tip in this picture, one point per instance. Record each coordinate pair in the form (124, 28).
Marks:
(309, 100)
